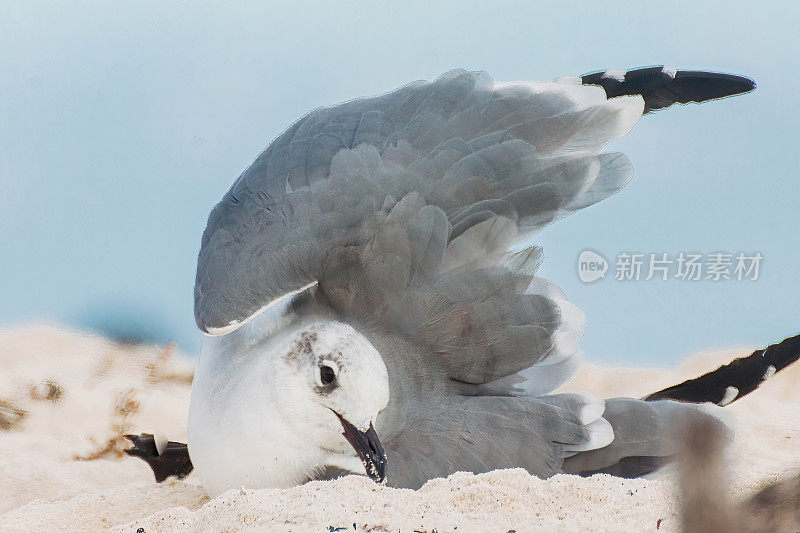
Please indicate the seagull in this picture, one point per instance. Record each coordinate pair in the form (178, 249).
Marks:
(368, 293)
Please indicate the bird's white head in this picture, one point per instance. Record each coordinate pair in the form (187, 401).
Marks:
(277, 406)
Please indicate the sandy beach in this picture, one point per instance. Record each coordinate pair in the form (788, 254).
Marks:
(67, 397)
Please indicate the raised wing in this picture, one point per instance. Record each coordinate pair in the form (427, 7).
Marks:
(426, 188)
(521, 154)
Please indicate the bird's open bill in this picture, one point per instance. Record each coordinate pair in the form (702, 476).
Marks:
(369, 449)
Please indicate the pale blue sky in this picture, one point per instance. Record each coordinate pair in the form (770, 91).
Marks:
(121, 124)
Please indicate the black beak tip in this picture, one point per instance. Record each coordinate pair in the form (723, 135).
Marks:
(369, 449)
(375, 461)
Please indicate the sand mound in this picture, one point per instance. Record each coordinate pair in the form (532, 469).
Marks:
(66, 399)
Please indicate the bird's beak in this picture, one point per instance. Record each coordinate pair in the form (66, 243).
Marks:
(368, 448)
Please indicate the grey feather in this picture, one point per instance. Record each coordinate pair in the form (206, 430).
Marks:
(428, 232)
(518, 432)
(458, 141)
(644, 430)
(525, 261)
(482, 243)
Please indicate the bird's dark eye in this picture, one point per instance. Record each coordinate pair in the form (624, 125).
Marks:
(326, 375)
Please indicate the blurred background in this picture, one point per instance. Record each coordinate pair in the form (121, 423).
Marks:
(122, 124)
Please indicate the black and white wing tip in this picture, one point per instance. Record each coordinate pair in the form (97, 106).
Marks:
(740, 377)
(172, 460)
(663, 86)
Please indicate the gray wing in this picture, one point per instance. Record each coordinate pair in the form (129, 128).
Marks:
(646, 435)
(479, 434)
(500, 161)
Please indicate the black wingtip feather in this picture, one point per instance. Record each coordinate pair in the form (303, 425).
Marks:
(745, 374)
(662, 87)
(174, 461)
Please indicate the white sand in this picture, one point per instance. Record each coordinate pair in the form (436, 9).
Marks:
(42, 486)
